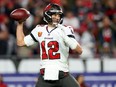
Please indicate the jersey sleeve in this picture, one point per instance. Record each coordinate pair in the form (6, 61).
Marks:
(31, 38)
(28, 40)
(69, 32)
(34, 34)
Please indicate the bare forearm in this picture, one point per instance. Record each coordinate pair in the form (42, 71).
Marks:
(78, 49)
(20, 35)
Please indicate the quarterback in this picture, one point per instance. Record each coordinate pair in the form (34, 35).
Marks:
(55, 41)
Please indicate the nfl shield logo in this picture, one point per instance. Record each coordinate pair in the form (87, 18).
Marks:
(39, 34)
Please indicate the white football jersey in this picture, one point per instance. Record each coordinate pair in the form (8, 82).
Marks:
(53, 49)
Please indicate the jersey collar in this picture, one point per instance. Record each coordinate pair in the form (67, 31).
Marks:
(51, 30)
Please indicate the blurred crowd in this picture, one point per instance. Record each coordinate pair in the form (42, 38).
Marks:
(94, 23)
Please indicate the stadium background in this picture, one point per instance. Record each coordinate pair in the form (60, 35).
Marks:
(94, 23)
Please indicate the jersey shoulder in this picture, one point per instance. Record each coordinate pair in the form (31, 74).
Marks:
(68, 29)
(40, 27)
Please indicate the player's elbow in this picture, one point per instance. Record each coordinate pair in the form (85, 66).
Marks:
(20, 43)
(79, 50)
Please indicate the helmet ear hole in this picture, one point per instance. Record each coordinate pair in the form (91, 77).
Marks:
(50, 10)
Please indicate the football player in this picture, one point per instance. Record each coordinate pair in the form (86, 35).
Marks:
(55, 41)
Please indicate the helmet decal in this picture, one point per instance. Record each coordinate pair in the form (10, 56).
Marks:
(48, 7)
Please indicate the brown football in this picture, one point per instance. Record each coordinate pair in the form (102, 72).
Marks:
(20, 14)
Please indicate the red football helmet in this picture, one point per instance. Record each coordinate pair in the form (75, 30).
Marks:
(51, 9)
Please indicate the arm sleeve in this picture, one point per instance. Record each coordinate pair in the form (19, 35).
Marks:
(28, 40)
(34, 34)
(32, 37)
(71, 42)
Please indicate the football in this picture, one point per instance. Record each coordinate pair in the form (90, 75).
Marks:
(20, 14)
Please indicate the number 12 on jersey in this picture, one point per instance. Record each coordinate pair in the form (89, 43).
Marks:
(52, 51)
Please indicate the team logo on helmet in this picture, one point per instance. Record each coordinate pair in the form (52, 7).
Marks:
(48, 7)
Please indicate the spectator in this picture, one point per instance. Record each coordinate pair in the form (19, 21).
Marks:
(89, 22)
(65, 5)
(110, 8)
(7, 41)
(114, 26)
(106, 38)
(3, 39)
(2, 84)
(97, 12)
(80, 10)
(71, 20)
(80, 80)
(88, 44)
(114, 23)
